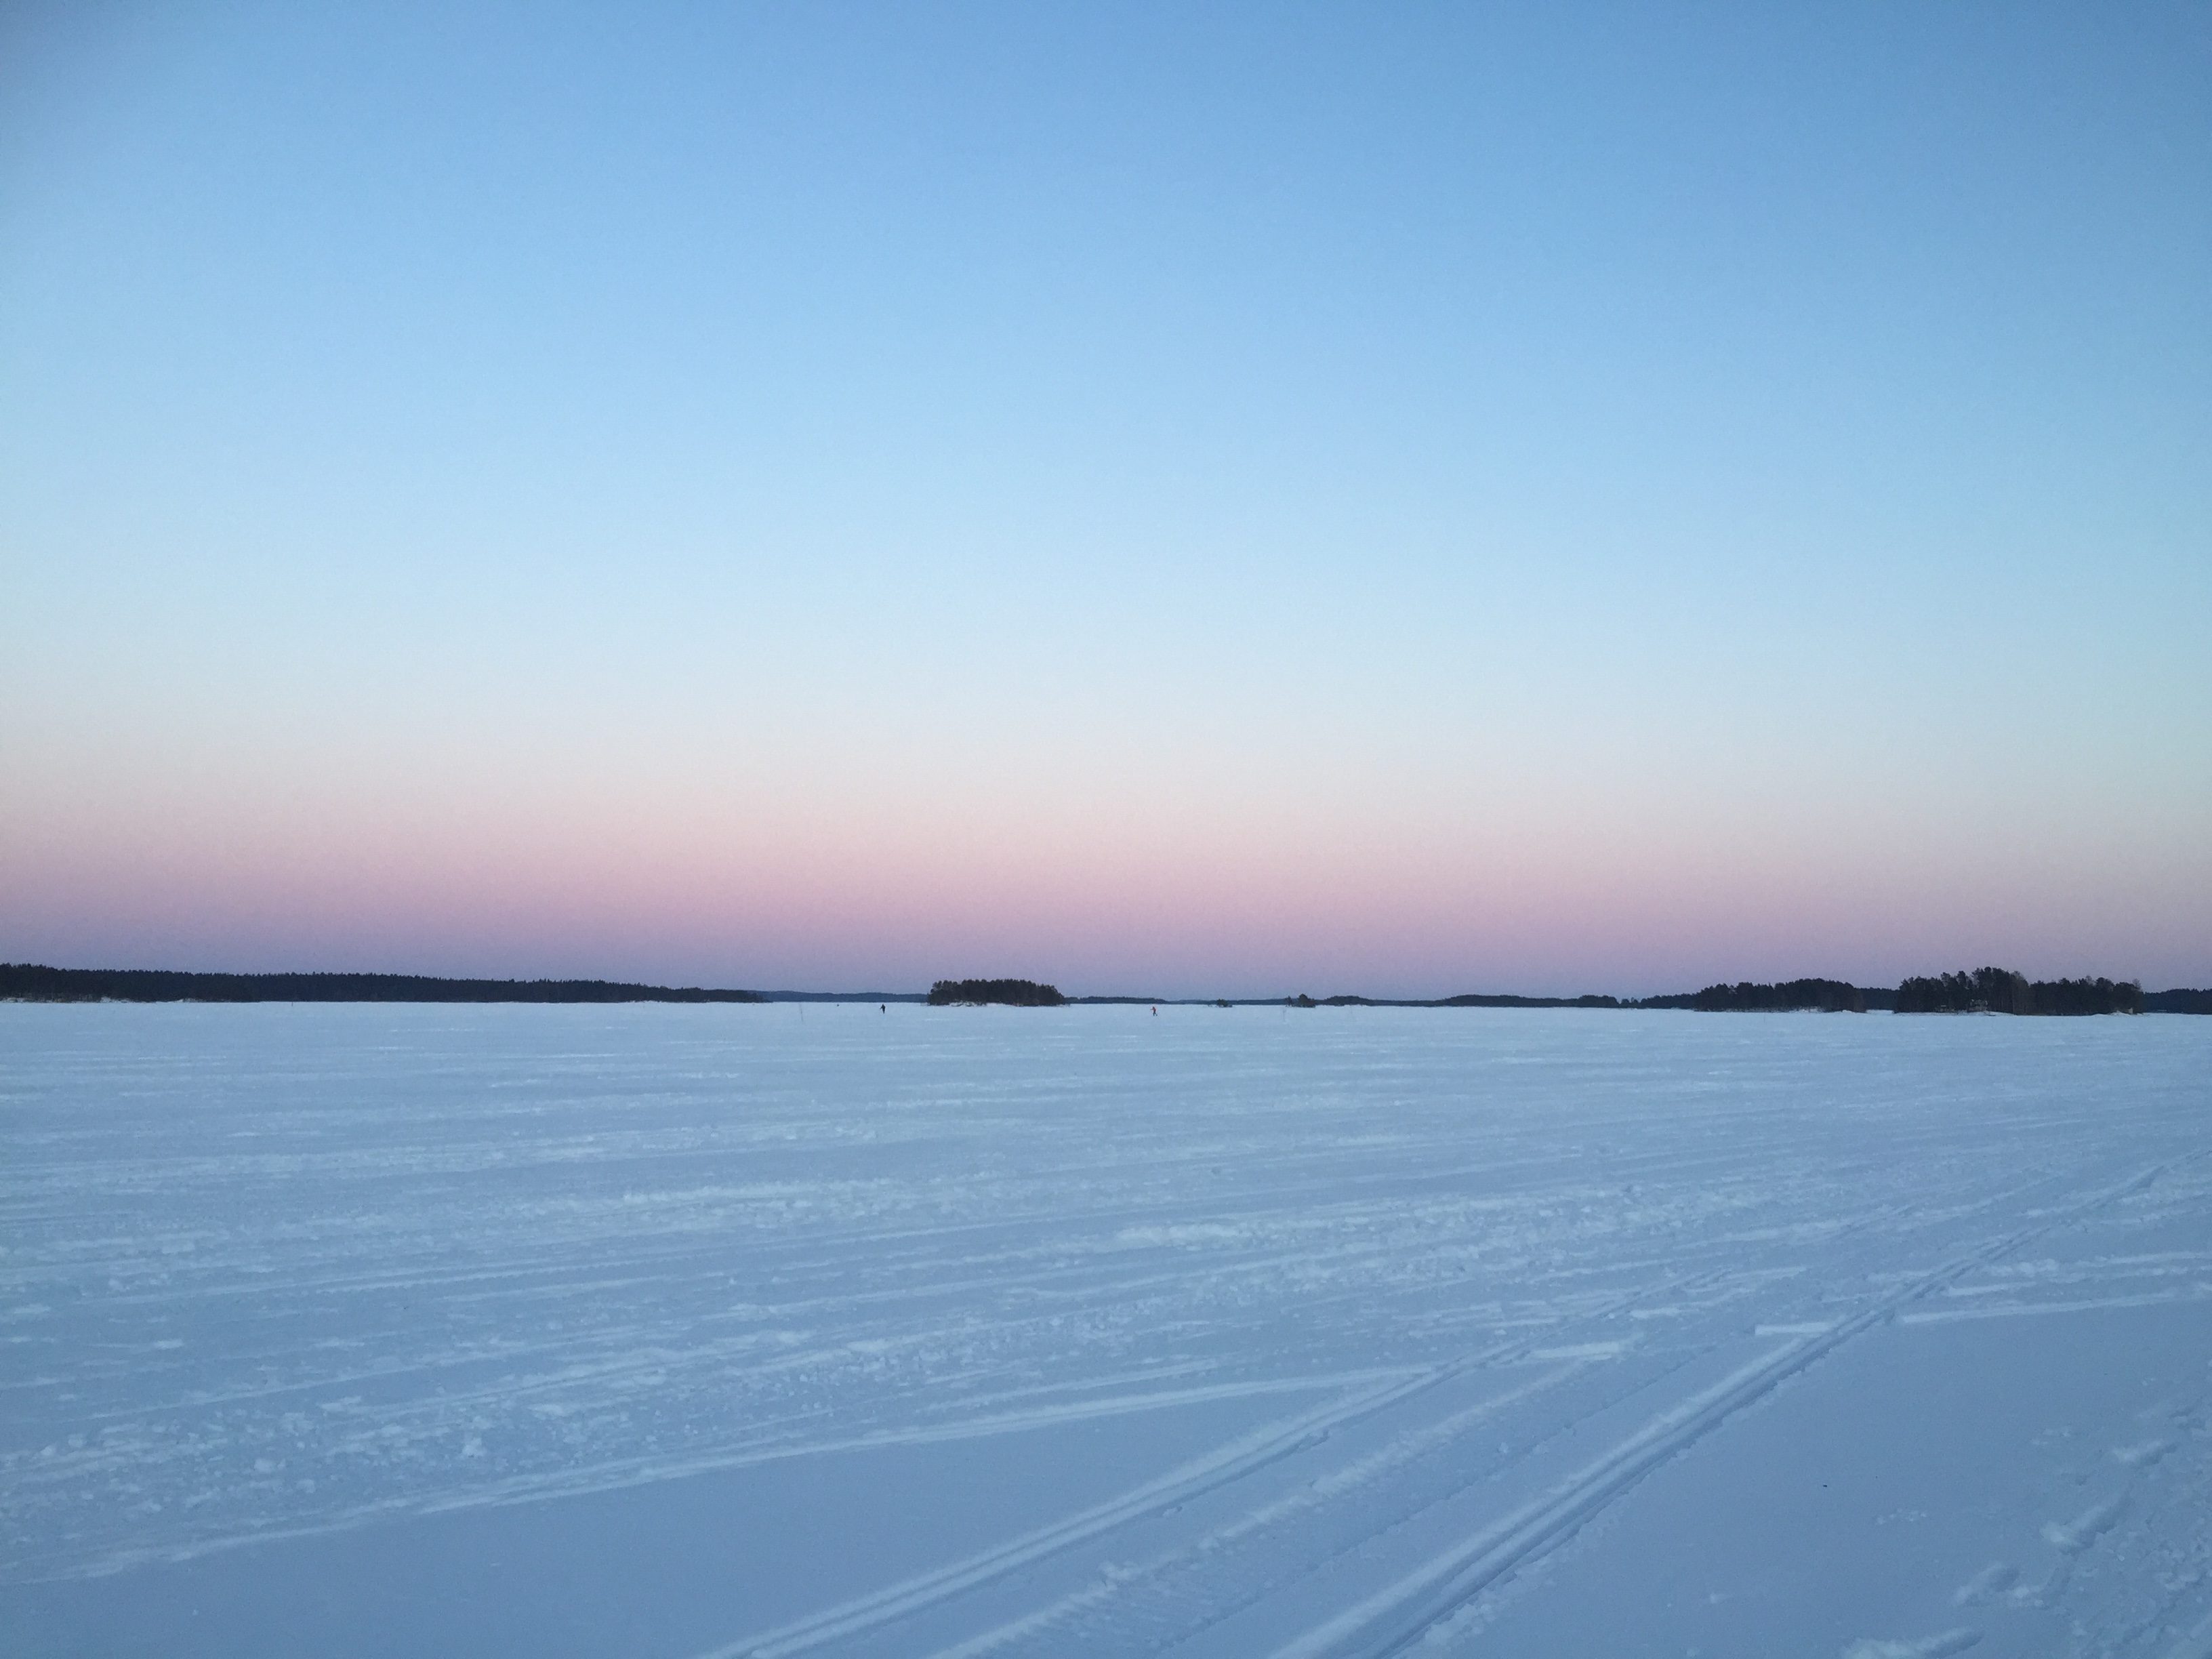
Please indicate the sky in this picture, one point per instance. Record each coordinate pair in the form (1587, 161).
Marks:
(1166, 499)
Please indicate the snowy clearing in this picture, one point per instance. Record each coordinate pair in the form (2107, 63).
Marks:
(685, 1332)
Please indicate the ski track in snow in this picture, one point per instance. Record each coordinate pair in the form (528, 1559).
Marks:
(279, 1272)
(1402, 1614)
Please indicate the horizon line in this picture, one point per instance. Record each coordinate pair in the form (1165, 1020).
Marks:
(645, 992)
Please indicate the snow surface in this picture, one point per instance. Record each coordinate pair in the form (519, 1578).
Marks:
(669, 1331)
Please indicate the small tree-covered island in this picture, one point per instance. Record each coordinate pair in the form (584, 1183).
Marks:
(2001, 991)
(1980, 991)
(1010, 992)
(1830, 996)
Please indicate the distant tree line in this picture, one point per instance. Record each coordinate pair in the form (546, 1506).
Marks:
(1982, 990)
(1303, 1000)
(1469, 1000)
(31, 982)
(1013, 993)
(1986, 989)
(2002, 991)
(2178, 1001)
(1472, 1000)
(1830, 996)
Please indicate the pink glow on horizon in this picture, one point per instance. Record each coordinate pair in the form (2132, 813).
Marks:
(1169, 908)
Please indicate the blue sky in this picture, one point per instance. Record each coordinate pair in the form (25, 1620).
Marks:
(1425, 499)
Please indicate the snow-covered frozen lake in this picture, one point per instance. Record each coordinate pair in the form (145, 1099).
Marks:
(666, 1331)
